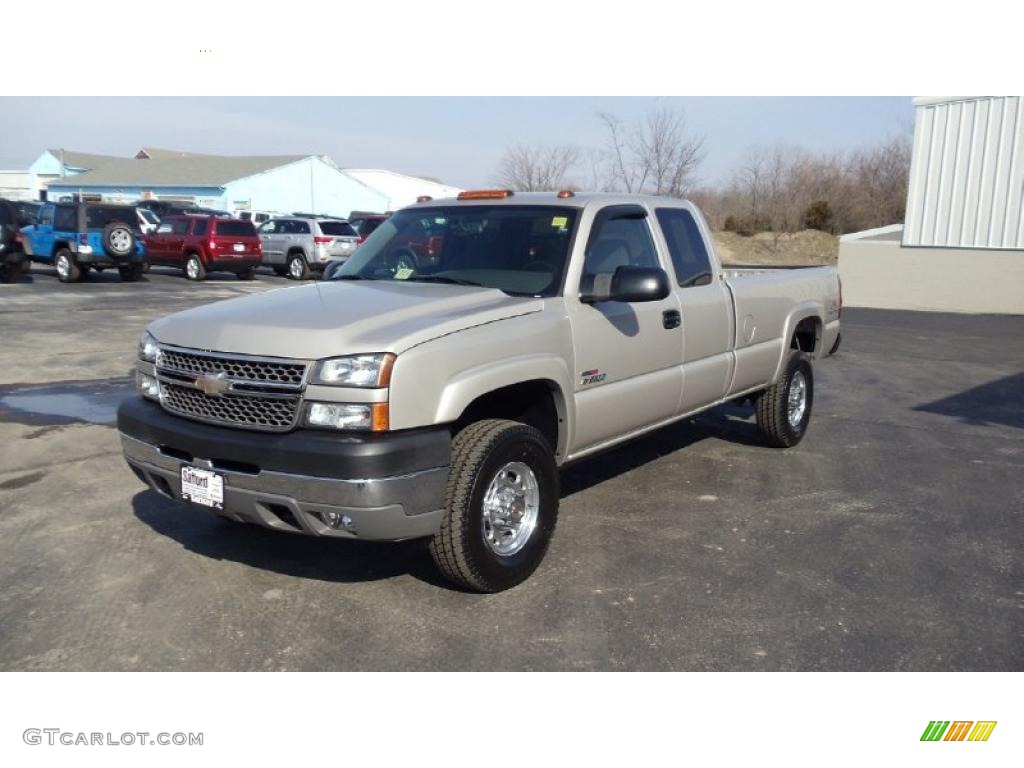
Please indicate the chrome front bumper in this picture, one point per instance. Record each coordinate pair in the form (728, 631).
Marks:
(388, 508)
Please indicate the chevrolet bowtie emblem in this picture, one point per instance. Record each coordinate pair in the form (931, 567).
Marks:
(213, 383)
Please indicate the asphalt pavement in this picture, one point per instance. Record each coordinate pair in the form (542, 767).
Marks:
(889, 539)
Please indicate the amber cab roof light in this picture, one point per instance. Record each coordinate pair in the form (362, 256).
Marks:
(424, 199)
(564, 193)
(485, 194)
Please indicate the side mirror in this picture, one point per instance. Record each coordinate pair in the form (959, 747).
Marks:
(627, 284)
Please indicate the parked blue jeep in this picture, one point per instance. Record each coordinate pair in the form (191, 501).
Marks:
(75, 237)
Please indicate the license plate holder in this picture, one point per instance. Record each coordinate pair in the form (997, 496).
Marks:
(202, 486)
(239, 247)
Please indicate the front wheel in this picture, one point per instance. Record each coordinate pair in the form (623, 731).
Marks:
(500, 508)
(784, 409)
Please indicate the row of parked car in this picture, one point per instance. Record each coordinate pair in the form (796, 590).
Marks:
(76, 237)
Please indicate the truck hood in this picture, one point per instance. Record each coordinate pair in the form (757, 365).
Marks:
(338, 317)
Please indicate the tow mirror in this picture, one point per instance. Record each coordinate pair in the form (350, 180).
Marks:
(627, 284)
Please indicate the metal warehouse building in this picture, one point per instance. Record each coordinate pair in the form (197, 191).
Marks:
(961, 247)
(279, 183)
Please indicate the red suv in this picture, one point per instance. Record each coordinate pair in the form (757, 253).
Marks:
(201, 244)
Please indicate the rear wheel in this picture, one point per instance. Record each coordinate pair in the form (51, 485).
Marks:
(501, 506)
(67, 270)
(194, 269)
(131, 273)
(298, 269)
(784, 409)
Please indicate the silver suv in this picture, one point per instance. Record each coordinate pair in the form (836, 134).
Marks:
(297, 246)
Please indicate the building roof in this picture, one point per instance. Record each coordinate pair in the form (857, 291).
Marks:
(72, 159)
(401, 189)
(156, 153)
(191, 171)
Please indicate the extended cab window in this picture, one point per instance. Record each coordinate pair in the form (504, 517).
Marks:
(686, 246)
(620, 242)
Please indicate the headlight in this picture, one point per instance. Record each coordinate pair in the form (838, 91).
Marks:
(148, 386)
(148, 348)
(355, 371)
(363, 416)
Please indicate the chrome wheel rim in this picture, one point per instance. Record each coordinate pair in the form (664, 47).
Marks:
(510, 509)
(63, 267)
(192, 268)
(797, 399)
(121, 240)
(296, 268)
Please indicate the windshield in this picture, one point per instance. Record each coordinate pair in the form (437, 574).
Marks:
(337, 228)
(521, 250)
(98, 216)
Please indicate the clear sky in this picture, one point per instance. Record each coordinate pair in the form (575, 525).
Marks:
(457, 140)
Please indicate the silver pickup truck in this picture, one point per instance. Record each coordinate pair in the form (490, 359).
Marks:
(433, 385)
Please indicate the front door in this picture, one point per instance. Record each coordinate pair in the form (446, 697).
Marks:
(628, 355)
(41, 239)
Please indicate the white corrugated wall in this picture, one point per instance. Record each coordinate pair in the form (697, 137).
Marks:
(967, 174)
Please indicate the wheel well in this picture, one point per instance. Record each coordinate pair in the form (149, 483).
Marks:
(294, 251)
(60, 244)
(530, 402)
(807, 335)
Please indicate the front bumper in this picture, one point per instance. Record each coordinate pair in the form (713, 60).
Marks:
(387, 487)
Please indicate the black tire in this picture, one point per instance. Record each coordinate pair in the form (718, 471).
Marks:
(280, 271)
(298, 267)
(247, 274)
(460, 549)
(194, 269)
(773, 407)
(131, 273)
(118, 239)
(67, 270)
(9, 273)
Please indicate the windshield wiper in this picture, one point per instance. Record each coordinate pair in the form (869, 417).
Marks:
(442, 279)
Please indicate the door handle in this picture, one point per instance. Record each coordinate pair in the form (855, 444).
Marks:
(671, 318)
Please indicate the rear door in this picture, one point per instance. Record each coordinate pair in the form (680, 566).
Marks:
(628, 355)
(705, 306)
(156, 243)
(271, 239)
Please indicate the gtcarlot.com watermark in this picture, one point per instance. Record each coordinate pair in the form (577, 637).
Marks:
(56, 736)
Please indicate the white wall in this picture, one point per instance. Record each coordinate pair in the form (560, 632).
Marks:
(967, 173)
(309, 185)
(17, 185)
(884, 275)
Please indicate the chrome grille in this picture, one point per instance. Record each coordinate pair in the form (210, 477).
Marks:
(266, 413)
(262, 393)
(237, 368)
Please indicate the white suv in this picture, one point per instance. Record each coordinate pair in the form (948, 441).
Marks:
(297, 246)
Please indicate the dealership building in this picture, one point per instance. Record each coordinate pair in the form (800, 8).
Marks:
(235, 183)
(961, 246)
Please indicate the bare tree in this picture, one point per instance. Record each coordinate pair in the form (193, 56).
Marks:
(537, 167)
(655, 155)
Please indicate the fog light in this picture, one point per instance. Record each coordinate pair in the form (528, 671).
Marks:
(148, 386)
(336, 519)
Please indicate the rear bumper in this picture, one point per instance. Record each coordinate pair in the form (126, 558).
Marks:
(240, 264)
(382, 487)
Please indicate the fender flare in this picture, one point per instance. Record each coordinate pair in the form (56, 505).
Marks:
(800, 312)
(468, 385)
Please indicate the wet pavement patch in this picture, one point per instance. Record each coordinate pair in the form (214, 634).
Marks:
(66, 402)
(21, 482)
